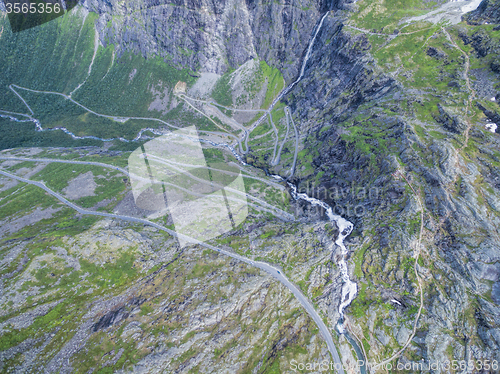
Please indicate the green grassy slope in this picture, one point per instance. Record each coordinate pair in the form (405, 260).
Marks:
(56, 57)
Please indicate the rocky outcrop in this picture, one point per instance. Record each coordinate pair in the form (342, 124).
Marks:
(436, 53)
(487, 11)
(481, 41)
(491, 115)
(451, 121)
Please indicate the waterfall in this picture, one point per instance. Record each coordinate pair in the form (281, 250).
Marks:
(301, 75)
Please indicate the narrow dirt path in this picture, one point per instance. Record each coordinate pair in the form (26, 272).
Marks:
(419, 280)
(472, 92)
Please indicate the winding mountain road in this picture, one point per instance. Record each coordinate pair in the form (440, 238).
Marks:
(214, 104)
(277, 137)
(278, 156)
(274, 272)
(264, 206)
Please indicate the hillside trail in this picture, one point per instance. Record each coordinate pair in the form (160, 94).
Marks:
(418, 247)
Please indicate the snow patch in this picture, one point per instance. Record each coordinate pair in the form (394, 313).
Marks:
(491, 127)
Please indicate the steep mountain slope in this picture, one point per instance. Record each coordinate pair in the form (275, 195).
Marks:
(390, 125)
(405, 116)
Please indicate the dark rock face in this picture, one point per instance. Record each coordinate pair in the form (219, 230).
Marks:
(495, 66)
(487, 11)
(109, 319)
(450, 122)
(212, 36)
(495, 292)
(485, 46)
(433, 52)
(480, 41)
(492, 116)
(116, 315)
(340, 75)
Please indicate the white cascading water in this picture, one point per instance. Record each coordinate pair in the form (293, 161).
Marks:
(349, 288)
(301, 75)
(304, 63)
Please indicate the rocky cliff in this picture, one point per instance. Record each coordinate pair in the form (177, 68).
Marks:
(392, 132)
(488, 11)
(210, 36)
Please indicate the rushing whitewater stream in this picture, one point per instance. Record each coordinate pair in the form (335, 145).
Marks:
(349, 288)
